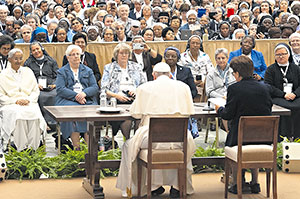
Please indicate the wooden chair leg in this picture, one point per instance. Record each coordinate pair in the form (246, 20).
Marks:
(149, 175)
(268, 178)
(239, 182)
(139, 178)
(113, 141)
(274, 177)
(207, 129)
(58, 137)
(180, 188)
(106, 128)
(184, 181)
(217, 132)
(226, 177)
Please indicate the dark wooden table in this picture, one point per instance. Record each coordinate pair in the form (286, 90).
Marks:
(96, 119)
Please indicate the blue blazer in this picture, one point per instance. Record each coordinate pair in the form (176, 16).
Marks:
(65, 82)
(260, 66)
(132, 15)
(66, 96)
(184, 74)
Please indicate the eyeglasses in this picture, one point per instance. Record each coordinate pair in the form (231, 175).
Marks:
(281, 55)
(6, 49)
(75, 23)
(124, 53)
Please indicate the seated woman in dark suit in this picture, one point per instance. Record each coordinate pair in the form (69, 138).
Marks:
(181, 73)
(75, 86)
(247, 97)
(284, 77)
(45, 69)
(87, 59)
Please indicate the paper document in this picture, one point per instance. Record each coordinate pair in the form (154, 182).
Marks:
(217, 101)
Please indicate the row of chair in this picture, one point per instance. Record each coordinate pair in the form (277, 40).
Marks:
(253, 130)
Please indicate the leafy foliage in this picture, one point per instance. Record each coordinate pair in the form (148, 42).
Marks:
(31, 164)
(208, 152)
(28, 163)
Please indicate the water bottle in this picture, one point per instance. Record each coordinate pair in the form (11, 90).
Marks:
(102, 99)
(101, 144)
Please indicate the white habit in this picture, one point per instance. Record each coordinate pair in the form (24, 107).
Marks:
(160, 97)
(26, 123)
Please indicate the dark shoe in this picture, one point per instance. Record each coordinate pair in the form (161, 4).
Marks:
(255, 188)
(174, 193)
(158, 191)
(245, 188)
(212, 127)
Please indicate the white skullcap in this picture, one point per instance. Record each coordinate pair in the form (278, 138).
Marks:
(161, 67)
(190, 12)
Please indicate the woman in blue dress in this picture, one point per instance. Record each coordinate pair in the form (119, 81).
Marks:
(75, 85)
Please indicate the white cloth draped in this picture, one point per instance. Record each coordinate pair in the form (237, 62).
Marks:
(12, 90)
(163, 97)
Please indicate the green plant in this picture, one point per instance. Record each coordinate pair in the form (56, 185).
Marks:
(208, 152)
(28, 164)
(31, 164)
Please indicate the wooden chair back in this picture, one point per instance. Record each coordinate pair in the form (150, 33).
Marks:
(168, 129)
(258, 130)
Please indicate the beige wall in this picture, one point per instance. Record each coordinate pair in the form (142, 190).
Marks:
(104, 51)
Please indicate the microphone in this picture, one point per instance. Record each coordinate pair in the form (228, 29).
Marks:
(208, 108)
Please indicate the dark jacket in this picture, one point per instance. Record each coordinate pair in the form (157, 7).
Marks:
(274, 77)
(132, 15)
(248, 97)
(91, 62)
(184, 74)
(148, 63)
(49, 69)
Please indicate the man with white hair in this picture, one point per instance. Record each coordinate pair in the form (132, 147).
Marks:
(294, 41)
(163, 96)
(51, 26)
(123, 13)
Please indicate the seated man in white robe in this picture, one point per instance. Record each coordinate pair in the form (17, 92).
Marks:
(165, 97)
(20, 112)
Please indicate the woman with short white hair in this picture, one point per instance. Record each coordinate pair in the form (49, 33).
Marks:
(21, 115)
(120, 80)
(75, 85)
